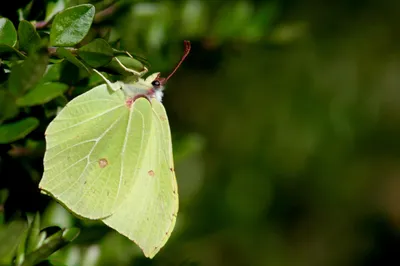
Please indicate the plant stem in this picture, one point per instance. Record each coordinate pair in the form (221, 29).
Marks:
(53, 50)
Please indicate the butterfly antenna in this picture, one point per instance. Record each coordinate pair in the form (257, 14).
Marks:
(185, 53)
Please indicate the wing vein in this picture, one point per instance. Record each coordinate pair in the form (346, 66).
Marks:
(88, 157)
(77, 144)
(84, 121)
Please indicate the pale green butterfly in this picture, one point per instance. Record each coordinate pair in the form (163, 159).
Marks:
(109, 157)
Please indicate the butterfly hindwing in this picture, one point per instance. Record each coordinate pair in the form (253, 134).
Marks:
(148, 214)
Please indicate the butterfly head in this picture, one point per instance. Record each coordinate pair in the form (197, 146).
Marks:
(155, 86)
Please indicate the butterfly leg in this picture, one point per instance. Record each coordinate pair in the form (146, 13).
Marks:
(112, 86)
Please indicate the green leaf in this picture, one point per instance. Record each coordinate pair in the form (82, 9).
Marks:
(10, 234)
(71, 25)
(8, 107)
(14, 131)
(6, 50)
(97, 53)
(29, 39)
(56, 215)
(141, 59)
(24, 12)
(124, 65)
(28, 73)
(70, 234)
(20, 256)
(51, 245)
(42, 93)
(53, 73)
(32, 240)
(131, 63)
(64, 53)
(8, 34)
(53, 7)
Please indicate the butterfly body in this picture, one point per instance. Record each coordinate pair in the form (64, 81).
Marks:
(109, 157)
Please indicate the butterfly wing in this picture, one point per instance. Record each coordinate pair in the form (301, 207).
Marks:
(93, 147)
(148, 214)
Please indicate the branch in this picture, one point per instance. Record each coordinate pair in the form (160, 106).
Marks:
(41, 24)
(105, 13)
(53, 50)
(51, 245)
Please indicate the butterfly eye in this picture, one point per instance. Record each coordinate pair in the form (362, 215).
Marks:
(156, 83)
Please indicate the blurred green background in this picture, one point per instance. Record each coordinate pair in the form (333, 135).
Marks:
(285, 120)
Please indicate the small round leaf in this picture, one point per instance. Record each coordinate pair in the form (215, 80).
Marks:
(123, 65)
(11, 234)
(29, 39)
(70, 234)
(97, 53)
(28, 73)
(14, 131)
(8, 34)
(64, 53)
(42, 93)
(8, 51)
(71, 25)
(8, 107)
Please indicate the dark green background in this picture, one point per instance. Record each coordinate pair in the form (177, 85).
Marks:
(286, 125)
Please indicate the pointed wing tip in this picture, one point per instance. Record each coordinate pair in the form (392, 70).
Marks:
(150, 254)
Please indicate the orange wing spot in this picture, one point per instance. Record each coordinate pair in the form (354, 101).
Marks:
(151, 173)
(103, 162)
(163, 117)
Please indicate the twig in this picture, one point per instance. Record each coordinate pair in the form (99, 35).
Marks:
(42, 24)
(105, 13)
(53, 50)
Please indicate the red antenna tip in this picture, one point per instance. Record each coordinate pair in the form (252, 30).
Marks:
(185, 53)
(187, 47)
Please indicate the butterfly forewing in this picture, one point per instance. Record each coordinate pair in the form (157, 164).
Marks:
(93, 147)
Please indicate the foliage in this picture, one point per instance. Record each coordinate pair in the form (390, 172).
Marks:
(28, 85)
(44, 63)
(284, 117)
